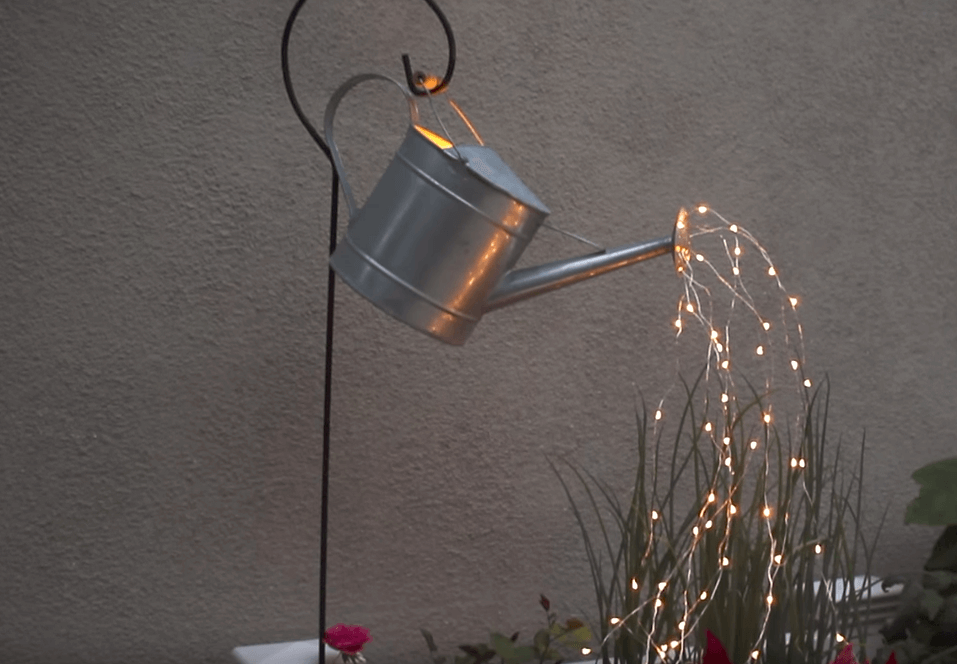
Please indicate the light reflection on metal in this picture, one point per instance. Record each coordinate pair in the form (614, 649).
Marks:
(440, 142)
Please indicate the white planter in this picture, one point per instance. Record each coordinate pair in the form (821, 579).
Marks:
(289, 652)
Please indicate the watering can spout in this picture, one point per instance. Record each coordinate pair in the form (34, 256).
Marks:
(521, 284)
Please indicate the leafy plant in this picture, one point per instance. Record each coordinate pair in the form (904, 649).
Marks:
(925, 627)
(936, 504)
(755, 536)
(550, 644)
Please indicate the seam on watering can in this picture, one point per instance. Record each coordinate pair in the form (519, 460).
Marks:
(408, 286)
(438, 185)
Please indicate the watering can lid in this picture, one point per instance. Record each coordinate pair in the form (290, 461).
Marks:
(487, 165)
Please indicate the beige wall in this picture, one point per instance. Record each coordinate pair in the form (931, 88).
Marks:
(163, 226)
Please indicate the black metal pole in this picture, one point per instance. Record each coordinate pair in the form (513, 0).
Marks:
(326, 411)
(331, 281)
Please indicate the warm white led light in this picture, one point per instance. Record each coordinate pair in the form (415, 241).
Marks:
(634, 584)
(699, 257)
(678, 323)
(793, 301)
(658, 603)
(767, 418)
(753, 444)
(725, 364)
(708, 524)
(755, 654)
(733, 228)
(771, 271)
(725, 562)
(712, 497)
(690, 308)
(695, 531)
(674, 644)
(654, 515)
(703, 596)
(726, 440)
(614, 621)
(839, 638)
(777, 559)
(794, 364)
(681, 626)
(707, 426)
(794, 462)
(766, 511)
(735, 271)
(807, 382)
(770, 599)
(658, 414)
(759, 350)
(818, 549)
(702, 209)
(724, 397)
(733, 509)
(662, 585)
(586, 651)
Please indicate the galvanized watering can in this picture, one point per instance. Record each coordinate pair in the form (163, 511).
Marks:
(435, 243)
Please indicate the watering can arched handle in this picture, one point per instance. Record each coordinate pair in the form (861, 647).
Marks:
(330, 117)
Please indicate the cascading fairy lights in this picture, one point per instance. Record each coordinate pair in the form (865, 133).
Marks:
(735, 310)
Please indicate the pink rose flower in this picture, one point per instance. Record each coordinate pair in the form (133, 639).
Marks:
(347, 639)
(715, 652)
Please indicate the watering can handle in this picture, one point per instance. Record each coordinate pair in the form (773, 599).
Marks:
(330, 117)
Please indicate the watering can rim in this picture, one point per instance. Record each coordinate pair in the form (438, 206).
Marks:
(481, 161)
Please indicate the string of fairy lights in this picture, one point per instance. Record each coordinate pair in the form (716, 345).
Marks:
(735, 311)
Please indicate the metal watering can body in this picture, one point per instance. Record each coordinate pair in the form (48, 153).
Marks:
(435, 243)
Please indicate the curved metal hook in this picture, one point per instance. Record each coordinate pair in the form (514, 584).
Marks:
(287, 81)
(410, 77)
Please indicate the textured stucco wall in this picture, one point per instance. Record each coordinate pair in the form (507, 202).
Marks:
(162, 229)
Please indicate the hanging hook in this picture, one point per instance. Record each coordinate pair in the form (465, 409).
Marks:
(287, 81)
(410, 77)
(414, 79)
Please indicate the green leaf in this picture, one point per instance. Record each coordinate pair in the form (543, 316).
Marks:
(522, 654)
(576, 638)
(429, 641)
(923, 632)
(930, 603)
(948, 615)
(509, 652)
(476, 654)
(500, 643)
(936, 504)
(939, 580)
(542, 639)
(944, 554)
